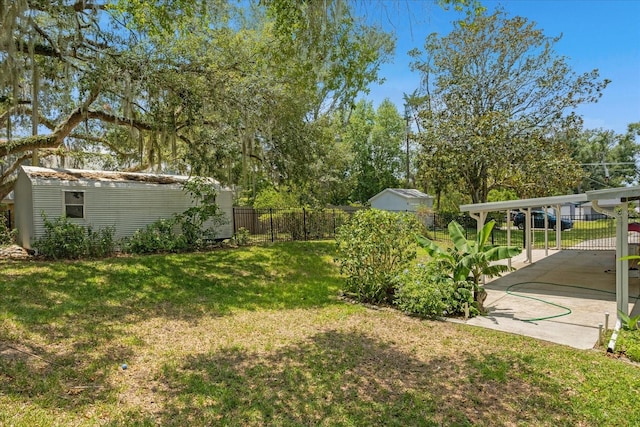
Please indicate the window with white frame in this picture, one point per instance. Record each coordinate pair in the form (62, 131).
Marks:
(74, 204)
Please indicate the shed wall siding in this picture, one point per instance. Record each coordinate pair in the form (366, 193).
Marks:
(125, 207)
(23, 209)
(389, 202)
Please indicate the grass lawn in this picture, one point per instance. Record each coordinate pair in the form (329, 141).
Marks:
(257, 336)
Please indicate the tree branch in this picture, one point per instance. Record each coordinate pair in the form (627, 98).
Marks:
(13, 167)
(6, 187)
(54, 139)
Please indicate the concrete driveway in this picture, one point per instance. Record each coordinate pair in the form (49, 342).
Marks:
(561, 298)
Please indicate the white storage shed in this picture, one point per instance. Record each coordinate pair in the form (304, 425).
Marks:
(401, 200)
(126, 201)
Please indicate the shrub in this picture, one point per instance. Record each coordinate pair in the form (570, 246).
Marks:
(470, 259)
(373, 248)
(242, 236)
(158, 236)
(65, 240)
(7, 235)
(427, 291)
(629, 343)
(101, 243)
(200, 223)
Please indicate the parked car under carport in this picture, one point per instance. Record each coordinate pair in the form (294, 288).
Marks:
(537, 221)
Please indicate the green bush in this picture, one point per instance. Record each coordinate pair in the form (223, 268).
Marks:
(63, 239)
(101, 243)
(158, 236)
(425, 290)
(241, 237)
(373, 248)
(7, 235)
(628, 342)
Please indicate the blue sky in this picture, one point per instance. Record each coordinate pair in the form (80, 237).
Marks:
(602, 34)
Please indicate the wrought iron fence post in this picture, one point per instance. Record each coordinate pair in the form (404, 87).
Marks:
(271, 221)
(334, 221)
(304, 223)
(233, 210)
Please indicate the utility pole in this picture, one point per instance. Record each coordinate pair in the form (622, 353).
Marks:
(35, 88)
(407, 117)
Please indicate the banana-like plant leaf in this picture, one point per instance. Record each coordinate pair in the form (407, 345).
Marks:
(456, 232)
(461, 273)
(496, 270)
(501, 252)
(471, 258)
(432, 249)
(485, 233)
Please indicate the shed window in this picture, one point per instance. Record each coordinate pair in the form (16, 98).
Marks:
(74, 204)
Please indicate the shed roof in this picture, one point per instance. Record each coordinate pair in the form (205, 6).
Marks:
(109, 176)
(405, 193)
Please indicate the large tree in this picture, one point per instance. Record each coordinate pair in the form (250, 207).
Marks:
(497, 104)
(376, 139)
(230, 91)
(607, 159)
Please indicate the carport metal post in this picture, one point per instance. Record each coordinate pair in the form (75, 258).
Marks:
(622, 250)
(558, 227)
(529, 235)
(546, 230)
(509, 222)
(480, 218)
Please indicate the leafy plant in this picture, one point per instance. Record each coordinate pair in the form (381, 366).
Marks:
(241, 236)
(7, 236)
(158, 236)
(628, 342)
(63, 239)
(629, 323)
(200, 223)
(470, 259)
(101, 243)
(426, 290)
(373, 248)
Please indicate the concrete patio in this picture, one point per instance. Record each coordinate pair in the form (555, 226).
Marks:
(569, 292)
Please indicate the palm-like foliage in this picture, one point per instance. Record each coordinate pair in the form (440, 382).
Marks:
(470, 259)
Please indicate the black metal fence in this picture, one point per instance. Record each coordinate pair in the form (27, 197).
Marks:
(271, 225)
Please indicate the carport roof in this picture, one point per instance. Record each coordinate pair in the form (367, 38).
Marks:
(620, 193)
(524, 203)
(623, 194)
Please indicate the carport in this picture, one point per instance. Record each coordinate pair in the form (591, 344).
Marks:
(479, 212)
(561, 298)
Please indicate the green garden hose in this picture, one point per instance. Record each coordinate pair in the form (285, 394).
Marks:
(567, 309)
